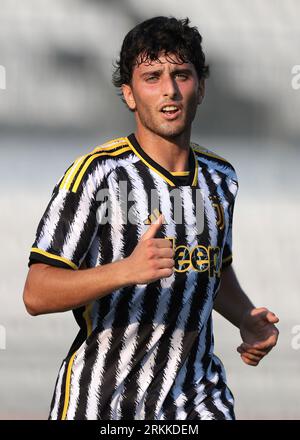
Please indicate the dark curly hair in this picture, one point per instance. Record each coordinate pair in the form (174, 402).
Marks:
(160, 34)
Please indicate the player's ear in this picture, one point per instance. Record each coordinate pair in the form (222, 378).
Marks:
(201, 90)
(128, 96)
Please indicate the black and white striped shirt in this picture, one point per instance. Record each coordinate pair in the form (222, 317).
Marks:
(144, 351)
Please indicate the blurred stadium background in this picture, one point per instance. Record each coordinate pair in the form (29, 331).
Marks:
(57, 102)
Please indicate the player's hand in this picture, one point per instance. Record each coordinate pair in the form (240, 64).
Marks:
(259, 335)
(152, 258)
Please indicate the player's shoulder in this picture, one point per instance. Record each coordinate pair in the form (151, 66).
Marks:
(112, 146)
(214, 160)
(83, 166)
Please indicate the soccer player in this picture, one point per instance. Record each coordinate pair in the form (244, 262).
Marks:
(137, 241)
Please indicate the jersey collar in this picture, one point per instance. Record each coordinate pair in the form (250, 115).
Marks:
(165, 174)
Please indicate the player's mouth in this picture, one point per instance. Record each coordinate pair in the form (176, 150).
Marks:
(170, 111)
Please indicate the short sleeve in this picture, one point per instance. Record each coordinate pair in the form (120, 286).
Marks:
(227, 250)
(68, 225)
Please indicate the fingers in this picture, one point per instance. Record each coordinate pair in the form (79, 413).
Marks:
(163, 243)
(165, 273)
(158, 242)
(165, 263)
(159, 254)
(249, 361)
(163, 257)
(159, 248)
(164, 252)
(267, 344)
(251, 356)
(246, 348)
(152, 258)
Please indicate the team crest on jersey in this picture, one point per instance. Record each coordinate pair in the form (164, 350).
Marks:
(218, 207)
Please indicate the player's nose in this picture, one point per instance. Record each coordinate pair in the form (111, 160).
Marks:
(169, 87)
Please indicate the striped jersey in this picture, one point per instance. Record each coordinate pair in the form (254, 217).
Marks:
(145, 351)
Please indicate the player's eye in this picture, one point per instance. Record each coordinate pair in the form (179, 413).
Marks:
(152, 78)
(181, 76)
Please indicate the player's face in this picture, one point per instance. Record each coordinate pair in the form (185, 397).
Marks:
(164, 95)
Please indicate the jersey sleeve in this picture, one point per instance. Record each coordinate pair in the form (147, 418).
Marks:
(227, 250)
(68, 225)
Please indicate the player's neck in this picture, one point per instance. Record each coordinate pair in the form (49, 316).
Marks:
(172, 154)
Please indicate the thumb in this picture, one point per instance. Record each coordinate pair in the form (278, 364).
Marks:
(153, 228)
(263, 314)
(271, 317)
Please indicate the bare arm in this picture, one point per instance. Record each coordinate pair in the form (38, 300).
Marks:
(256, 325)
(231, 301)
(50, 289)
